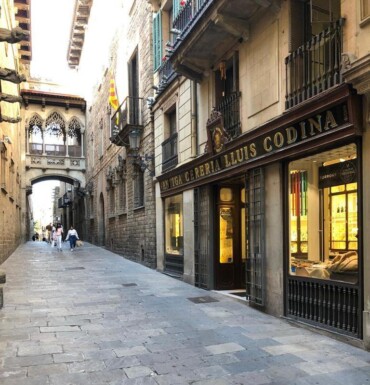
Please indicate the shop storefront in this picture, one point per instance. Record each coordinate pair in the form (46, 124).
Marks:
(246, 234)
(324, 216)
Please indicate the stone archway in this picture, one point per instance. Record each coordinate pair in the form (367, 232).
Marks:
(65, 202)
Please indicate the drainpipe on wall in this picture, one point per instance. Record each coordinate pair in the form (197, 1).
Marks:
(194, 122)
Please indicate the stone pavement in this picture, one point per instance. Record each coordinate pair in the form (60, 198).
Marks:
(91, 317)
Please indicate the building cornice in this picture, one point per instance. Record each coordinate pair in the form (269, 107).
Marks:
(52, 99)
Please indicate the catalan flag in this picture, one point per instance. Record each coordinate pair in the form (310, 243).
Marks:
(113, 100)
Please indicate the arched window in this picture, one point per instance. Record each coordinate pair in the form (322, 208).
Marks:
(55, 129)
(55, 135)
(74, 137)
(74, 132)
(35, 134)
(35, 129)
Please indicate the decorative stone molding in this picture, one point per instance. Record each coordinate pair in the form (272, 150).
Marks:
(75, 162)
(347, 59)
(35, 160)
(55, 162)
(357, 72)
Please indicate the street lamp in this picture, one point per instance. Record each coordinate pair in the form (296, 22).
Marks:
(134, 140)
(134, 143)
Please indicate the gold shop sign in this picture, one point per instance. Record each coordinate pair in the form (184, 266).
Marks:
(261, 146)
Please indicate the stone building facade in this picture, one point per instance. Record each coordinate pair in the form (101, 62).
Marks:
(12, 186)
(119, 188)
(261, 146)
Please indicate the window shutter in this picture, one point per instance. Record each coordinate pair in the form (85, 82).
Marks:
(157, 40)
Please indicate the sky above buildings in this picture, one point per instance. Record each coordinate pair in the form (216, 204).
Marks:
(51, 22)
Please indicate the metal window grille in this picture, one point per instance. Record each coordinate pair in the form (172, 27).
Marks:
(255, 266)
(201, 236)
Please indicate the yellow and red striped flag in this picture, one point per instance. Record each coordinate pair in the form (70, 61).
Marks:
(113, 100)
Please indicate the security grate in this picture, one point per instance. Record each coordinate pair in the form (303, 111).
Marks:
(201, 239)
(255, 266)
(330, 305)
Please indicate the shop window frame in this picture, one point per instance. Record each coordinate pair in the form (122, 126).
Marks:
(174, 262)
(347, 241)
(328, 254)
(329, 304)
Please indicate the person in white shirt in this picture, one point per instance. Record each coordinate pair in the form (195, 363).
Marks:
(72, 236)
(53, 236)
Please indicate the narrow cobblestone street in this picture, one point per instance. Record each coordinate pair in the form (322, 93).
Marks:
(92, 317)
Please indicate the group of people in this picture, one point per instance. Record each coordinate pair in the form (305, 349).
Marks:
(56, 236)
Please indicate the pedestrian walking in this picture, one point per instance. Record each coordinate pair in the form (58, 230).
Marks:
(49, 229)
(72, 236)
(59, 234)
(53, 236)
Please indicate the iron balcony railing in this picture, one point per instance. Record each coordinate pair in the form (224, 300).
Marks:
(169, 152)
(188, 16)
(315, 66)
(129, 114)
(230, 110)
(166, 75)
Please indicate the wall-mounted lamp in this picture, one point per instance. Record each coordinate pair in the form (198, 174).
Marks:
(143, 162)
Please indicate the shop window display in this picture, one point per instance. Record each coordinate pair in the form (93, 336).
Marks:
(323, 220)
(174, 225)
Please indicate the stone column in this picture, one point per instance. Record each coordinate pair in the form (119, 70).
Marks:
(27, 138)
(357, 72)
(43, 130)
(82, 142)
(66, 144)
